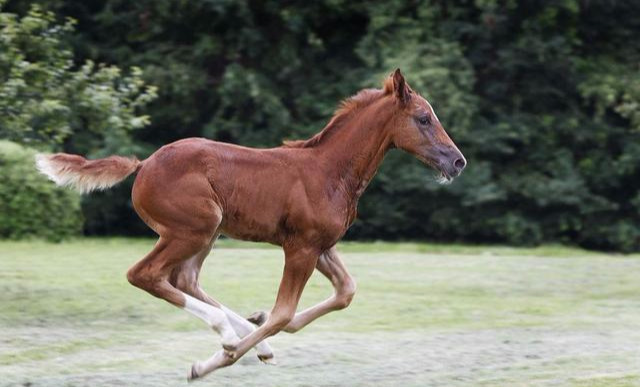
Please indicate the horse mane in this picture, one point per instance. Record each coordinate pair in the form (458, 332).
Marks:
(363, 98)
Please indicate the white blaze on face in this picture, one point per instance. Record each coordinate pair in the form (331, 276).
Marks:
(432, 111)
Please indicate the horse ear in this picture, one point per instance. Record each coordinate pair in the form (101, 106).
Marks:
(400, 88)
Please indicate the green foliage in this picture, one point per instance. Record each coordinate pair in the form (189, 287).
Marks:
(30, 205)
(542, 98)
(45, 100)
(551, 132)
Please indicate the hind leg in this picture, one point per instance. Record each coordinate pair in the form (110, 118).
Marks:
(185, 278)
(153, 273)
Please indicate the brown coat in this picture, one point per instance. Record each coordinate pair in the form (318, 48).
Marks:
(302, 196)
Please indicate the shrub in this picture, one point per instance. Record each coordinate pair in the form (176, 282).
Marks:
(31, 205)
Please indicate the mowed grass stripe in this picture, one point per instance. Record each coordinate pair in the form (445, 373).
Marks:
(63, 304)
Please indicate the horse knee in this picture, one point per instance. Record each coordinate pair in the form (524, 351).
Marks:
(345, 294)
(343, 301)
(279, 321)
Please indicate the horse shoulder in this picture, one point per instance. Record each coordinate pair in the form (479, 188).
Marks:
(314, 215)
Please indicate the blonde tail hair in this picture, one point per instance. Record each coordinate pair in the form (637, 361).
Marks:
(86, 175)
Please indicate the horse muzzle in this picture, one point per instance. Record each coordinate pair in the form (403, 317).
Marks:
(450, 163)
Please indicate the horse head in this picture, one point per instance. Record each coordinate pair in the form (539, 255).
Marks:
(416, 129)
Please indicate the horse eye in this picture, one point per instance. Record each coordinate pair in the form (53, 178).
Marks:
(423, 120)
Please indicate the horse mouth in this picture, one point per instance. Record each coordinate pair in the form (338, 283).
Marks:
(443, 177)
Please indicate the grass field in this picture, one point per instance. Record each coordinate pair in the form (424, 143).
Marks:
(424, 315)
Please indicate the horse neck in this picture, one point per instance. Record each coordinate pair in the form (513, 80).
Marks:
(356, 149)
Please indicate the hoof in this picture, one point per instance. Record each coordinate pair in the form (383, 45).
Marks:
(258, 318)
(230, 350)
(267, 359)
(228, 337)
(229, 347)
(230, 343)
(193, 375)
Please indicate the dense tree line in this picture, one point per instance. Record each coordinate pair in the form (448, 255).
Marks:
(541, 96)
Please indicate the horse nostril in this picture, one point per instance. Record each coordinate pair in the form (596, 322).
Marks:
(460, 164)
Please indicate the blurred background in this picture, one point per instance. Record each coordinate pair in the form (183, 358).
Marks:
(541, 96)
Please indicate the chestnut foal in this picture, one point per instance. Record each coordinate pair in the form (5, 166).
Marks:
(301, 196)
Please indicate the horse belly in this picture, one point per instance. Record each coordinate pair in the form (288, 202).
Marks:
(256, 227)
(251, 234)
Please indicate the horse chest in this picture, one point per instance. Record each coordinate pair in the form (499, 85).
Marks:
(333, 219)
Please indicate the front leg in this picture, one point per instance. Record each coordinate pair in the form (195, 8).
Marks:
(332, 267)
(299, 264)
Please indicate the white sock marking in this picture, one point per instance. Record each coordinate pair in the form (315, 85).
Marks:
(244, 328)
(214, 317)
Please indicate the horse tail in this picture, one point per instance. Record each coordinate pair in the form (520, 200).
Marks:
(86, 175)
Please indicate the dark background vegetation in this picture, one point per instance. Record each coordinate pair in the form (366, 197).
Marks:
(541, 96)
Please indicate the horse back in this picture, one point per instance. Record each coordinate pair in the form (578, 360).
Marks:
(263, 194)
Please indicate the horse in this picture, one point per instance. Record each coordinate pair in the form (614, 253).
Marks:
(301, 196)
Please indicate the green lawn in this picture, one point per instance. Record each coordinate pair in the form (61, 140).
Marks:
(424, 315)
